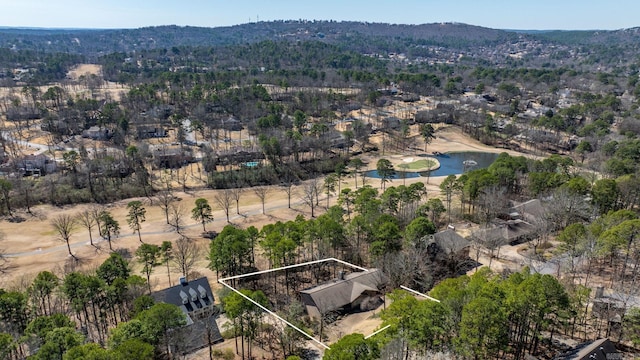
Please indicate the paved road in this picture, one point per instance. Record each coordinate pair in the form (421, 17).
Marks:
(38, 148)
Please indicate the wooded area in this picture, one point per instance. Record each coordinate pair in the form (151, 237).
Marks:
(305, 118)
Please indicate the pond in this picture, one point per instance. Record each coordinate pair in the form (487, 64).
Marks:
(453, 163)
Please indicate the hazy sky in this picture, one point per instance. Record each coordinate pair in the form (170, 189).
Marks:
(502, 14)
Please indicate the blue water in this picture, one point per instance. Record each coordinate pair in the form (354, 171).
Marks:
(450, 164)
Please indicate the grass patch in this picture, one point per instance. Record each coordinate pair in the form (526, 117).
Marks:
(420, 164)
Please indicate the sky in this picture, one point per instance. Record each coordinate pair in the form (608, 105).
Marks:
(498, 14)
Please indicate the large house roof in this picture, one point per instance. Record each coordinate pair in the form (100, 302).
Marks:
(529, 210)
(337, 293)
(601, 349)
(192, 297)
(509, 232)
(450, 241)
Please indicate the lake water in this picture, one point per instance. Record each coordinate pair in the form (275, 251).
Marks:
(450, 164)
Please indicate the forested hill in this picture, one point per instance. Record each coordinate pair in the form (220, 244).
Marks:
(590, 37)
(364, 37)
(87, 41)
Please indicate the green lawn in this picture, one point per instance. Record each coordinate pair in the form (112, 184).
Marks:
(420, 164)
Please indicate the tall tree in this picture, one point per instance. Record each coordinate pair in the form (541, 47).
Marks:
(165, 198)
(88, 220)
(5, 191)
(64, 225)
(185, 254)
(223, 199)
(147, 255)
(356, 164)
(236, 193)
(385, 171)
(109, 227)
(167, 254)
(261, 192)
(176, 217)
(41, 290)
(428, 134)
(229, 251)
(202, 212)
(136, 216)
(330, 182)
(310, 194)
(158, 322)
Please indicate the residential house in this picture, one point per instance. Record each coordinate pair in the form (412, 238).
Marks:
(510, 232)
(35, 165)
(515, 225)
(170, 157)
(149, 132)
(447, 254)
(196, 300)
(97, 133)
(232, 124)
(530, 211)
(447, 244)
(357, 291)
(601, 349)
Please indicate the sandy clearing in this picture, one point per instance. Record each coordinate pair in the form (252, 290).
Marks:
(85, 69)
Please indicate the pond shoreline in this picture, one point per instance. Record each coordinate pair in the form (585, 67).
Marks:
(450, 163)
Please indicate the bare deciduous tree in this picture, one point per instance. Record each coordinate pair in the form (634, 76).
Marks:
(64, 225)
(310, 193)
(236, 193)
(177, 214)
(185, 254)
(88, 219)
(165, 198)
(288, 182)
(261, 192)
(4, 262)
(223, 199)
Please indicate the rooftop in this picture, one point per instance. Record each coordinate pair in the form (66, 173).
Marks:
(337, 293)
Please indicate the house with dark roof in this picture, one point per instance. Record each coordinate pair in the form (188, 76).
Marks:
(448, 243)
(36, 165)
(97, 133)
(196, 300)
(510, 232)
(447, 254)
(601, 349)
(529, 211)
(353, 292)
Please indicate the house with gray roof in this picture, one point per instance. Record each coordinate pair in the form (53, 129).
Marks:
(353, 292)
(196, 300)
(447, 242)
(510, 232)
(601, 349)
(530, 211)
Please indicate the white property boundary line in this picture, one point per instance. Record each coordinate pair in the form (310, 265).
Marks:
(293, 266)
(222, 281)
(418, 293)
